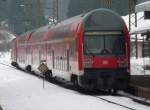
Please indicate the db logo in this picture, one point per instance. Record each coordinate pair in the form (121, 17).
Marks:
(105, 62)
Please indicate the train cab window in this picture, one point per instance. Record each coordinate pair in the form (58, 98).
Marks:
(93, 44)
(104, 44)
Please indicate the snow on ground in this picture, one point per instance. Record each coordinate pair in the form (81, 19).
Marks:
(21, 91)
(137, 66)
(5, 57)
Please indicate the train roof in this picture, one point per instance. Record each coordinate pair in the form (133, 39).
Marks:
(102, 18)
(98, 19)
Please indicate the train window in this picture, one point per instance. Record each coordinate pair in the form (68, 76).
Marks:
(93, 44)
(104, 45)
(116, 45)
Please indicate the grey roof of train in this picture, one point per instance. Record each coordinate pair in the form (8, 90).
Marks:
(81, 17)
(85, 15)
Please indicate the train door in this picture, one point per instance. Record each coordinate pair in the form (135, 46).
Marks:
(53, 59)
(49, 57)
(39, 56)
(15, 52)
(29, 55)
(43, 54)
(67, 55)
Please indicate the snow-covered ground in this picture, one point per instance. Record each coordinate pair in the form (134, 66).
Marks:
(21, 91)
(137, 66)
(5, 57)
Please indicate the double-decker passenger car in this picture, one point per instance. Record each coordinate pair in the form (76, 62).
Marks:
(90, 50)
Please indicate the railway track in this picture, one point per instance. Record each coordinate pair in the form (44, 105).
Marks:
(115, 103)
(83, 92)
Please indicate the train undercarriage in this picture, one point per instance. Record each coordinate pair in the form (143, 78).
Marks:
(105, 79)
(109, 80)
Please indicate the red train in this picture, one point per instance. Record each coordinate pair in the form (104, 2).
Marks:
(91, 50)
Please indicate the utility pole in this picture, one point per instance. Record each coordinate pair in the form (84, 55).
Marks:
(132, 14)
(55, 11)
(133, 21)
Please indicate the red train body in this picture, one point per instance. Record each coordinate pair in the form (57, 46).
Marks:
(91, 50)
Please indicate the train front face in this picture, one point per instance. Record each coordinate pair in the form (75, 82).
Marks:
(106, 57)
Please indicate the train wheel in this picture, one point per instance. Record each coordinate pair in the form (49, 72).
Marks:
(28, 69)
(115, 91)
(112, 91)
(15, 64)
(74, 80)
(49, 75)
(75, 83)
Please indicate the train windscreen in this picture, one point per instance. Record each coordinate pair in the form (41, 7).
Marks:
(104, 44)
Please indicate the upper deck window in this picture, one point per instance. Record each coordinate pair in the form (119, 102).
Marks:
(111, 43)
